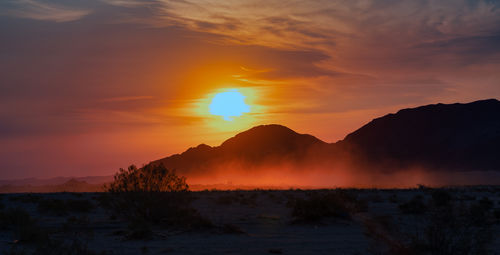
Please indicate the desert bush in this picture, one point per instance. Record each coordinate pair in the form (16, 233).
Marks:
(456, 228)
(152, 194)
(326, 204)
(415, 206)
(23, 226)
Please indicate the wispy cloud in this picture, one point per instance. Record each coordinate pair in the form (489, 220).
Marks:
(326, 23)
(31, 9)
(125, 99)
(127, 3)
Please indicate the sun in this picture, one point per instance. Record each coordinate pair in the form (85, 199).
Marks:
(229, 108)
(229, 104)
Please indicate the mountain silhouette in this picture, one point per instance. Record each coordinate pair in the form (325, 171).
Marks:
(259, 145)
(443, 136)
(454, 137)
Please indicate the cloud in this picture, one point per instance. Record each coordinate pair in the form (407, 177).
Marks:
(31, 9)
(310, 61)
(126, 3)
(125, 99)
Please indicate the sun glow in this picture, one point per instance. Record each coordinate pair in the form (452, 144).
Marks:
(229, 104)
(230, 109)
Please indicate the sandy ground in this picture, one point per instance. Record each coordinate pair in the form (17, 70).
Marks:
(262, 216)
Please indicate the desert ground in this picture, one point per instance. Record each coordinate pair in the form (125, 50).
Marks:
(454, 220)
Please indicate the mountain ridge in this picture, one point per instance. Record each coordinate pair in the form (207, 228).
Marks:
(441, 138)
(432, 135)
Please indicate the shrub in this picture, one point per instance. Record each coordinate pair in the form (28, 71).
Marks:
(337, 204)
(456, 228)
(152, 194)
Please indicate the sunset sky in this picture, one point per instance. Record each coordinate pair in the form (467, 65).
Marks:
(89, 86)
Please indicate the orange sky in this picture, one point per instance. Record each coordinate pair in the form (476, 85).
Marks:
(91, 86)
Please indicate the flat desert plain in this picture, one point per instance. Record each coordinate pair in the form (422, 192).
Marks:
(454, 220)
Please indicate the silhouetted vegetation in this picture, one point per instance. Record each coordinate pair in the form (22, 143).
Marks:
(423, 221)
(331, 204)
(441, 226)
(155, 195)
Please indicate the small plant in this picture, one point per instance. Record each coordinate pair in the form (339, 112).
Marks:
(447, 228)
(337, 204)
(152, 194)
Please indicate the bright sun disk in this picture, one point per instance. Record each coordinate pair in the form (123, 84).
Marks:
(229, 104)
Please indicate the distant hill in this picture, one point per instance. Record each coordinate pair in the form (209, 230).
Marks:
(441, 136)
(458, 140)
(454, 137)
(266, 144)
